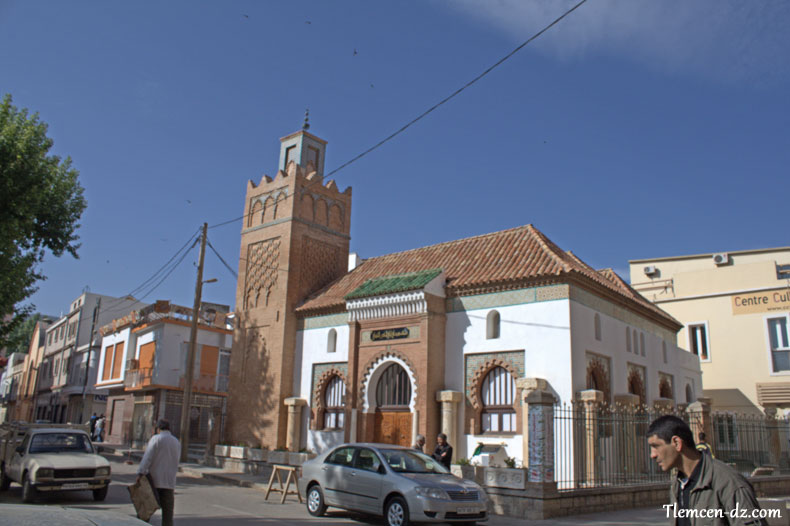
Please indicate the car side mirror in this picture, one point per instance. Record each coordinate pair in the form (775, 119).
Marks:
(382, 470)
(20, 450)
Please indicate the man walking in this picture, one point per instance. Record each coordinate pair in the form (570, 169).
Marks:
(444, 451)
(161, 462)
(703, 485)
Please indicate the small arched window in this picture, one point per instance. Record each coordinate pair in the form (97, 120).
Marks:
(597, 322)
(497, 393)
(664, 351)
(627, 339)
(689, 394)
(331, 341)
(492, 325)
(334, 402)
(642, 343)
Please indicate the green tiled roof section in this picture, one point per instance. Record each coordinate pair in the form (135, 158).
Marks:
(396, 283)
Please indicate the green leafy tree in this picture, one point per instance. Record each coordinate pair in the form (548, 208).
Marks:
(19, 337)
(41, 202)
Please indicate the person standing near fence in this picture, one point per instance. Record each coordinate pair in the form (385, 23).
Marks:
(703, 446)
(702, 483)
(444, 451)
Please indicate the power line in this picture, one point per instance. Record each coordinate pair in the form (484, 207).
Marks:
(172, 267)
(155, 275)
(233, 272)
(435, 106)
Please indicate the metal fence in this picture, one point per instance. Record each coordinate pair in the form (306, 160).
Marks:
(608, 447)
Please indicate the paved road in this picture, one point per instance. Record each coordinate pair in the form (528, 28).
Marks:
(200, 502)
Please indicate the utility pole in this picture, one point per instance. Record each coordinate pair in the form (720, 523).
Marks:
(186, 405)
(90, 351)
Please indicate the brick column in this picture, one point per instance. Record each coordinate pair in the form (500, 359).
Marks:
(293, 437)
(450, 401)
(591, 400)
(700, 421)
(537, 406)
(629, 451)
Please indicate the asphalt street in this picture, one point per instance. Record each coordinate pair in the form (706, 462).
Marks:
(200, 502)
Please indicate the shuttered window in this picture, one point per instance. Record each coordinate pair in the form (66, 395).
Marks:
(334, 400)
(498, 393)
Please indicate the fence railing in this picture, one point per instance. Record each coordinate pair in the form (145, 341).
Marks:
(608, 446)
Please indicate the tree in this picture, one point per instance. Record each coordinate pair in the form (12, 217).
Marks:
(18, 339)
(41, 202)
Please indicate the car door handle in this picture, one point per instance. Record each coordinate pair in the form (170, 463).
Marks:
(353, 473)
(324, 468)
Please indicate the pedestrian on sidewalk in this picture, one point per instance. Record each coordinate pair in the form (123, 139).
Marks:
(100, 428)
(161, 462)
(92, 423)
(702, 483)
(419, 443)
(443, 453)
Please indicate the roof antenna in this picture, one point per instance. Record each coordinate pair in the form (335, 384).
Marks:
(306, 125)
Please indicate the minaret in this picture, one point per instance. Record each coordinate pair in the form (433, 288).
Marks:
(294, 241)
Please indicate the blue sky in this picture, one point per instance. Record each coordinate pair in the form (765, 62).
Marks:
(632, 129)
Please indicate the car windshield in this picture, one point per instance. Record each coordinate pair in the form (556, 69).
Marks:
(60, 442)
(411, 461)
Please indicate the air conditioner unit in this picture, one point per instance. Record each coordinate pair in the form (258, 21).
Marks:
(651, 270)
(721, 258)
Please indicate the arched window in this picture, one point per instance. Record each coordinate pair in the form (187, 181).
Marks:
(492, 325)
(393, 391)
(597, 322)
(331, 341)
(642, 342)
(689, 394)
(664, 351)
(498, 393)
(334, 402)
(627, 339)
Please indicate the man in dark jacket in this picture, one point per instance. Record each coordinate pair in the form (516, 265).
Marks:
(705, 490)
(444, 451)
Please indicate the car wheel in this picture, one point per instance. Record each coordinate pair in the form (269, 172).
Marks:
(315, 501)
(397, 512)
(5, 482)
(101, 493)
(29, 492)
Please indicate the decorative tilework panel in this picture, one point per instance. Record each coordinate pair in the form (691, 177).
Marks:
(510, 297)
(472, 362)
(610, 309)
(319, 322)
(320, 368)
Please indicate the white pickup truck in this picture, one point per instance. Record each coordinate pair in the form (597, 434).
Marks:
(51, 457)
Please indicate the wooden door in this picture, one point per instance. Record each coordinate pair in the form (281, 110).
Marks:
(393, 428)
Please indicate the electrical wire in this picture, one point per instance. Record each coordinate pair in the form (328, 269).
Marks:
(435, 106)
(233, 272)
(141, 286)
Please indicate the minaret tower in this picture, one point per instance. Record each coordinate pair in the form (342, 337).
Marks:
(294, 241)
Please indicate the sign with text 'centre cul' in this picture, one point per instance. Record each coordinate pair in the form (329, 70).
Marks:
(764, 301)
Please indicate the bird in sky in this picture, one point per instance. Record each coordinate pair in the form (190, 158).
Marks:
(188, 201)
(307, 22)
(245, 16)
(355, 52)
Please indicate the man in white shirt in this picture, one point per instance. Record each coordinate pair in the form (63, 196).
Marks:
(161, 462)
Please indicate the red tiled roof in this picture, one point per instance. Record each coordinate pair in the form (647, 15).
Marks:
(500, 259)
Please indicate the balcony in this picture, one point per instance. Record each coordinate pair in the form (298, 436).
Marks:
(138, 378)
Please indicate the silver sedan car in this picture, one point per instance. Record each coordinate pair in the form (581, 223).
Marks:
(398, 483)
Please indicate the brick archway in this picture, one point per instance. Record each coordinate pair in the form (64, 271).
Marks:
(598, 378)
(319, 409)
(476, 398)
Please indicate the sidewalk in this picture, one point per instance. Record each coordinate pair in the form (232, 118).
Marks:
(635, 517)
